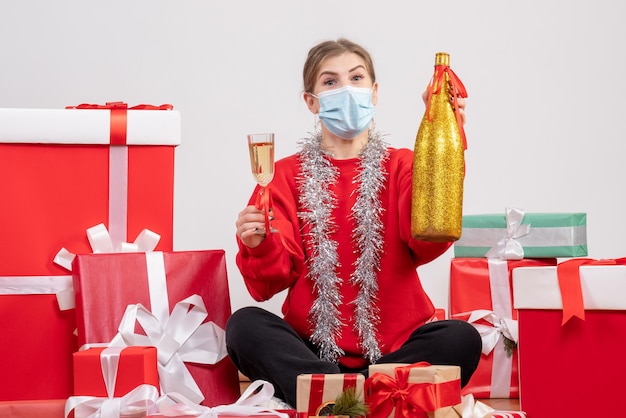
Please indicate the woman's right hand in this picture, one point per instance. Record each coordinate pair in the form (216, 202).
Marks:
(249, 222)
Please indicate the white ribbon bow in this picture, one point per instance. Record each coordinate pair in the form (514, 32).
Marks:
(508, 248)
(258, 393)
(474, 409)
(182, 337)
(490, 334)
(142, 399)
(101, 242)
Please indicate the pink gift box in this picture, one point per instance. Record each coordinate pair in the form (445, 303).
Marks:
(481, 284)
(566, 369)
(106, 284)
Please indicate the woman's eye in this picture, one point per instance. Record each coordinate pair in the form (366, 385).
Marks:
(329, 82)
(357, 77)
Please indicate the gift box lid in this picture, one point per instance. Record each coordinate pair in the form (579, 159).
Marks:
(602, 286)
(88, 126)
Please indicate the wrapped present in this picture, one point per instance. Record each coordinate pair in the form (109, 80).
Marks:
(85, 167)
(114, 382)
(413, 391)
(570, 352)
(480, 293)
(98, 370)
(42, 408)
(37, 363)
(65, 170)
(316, 393)
(180, 301)
(476, 409)
(517, 235)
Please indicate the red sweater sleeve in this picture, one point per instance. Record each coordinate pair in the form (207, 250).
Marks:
(277, 262)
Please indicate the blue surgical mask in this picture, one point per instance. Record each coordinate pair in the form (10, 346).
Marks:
(346, 111)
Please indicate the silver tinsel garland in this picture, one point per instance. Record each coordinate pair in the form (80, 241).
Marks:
(317, 204)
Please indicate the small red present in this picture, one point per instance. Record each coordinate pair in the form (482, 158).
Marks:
(180, 297)
(480, 293)
(124, 368)
(580, 357)
(41, 408)
(506, 414)
(316, 393)
(413, 390)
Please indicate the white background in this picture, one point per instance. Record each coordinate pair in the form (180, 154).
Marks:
(546, 80)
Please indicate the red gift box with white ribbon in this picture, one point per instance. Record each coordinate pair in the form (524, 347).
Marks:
(63, 171)
(114, 382)
(176, 301)
(481, 293)
(572, 319)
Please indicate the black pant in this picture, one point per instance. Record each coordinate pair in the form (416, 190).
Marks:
(263, 346)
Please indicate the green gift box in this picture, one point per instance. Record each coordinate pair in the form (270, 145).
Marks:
(516, 235)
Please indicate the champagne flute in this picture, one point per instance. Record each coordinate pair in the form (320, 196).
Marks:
(261, 147)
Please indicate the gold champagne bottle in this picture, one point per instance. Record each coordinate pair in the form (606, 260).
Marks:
(439, 160)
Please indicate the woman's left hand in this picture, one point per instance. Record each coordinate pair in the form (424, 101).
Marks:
(459, 100)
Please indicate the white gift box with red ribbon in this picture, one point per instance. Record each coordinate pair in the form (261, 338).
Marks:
(580, 356)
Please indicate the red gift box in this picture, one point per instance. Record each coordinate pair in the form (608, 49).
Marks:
(135, 366)
(37, 362)
(48, 408)
(65, 176)
(62, 176)
(315, 391)
(106, 285)
(579, 363)
(480, 292)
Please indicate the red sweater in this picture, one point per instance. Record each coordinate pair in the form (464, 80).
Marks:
(403, 304)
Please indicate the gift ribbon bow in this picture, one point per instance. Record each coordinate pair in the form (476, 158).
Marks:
(508, 248)
(458, 90)
(182, 337)
(492, 333)
(413, 400)
(474, 409)
(258, 393)
(119, 117)
(101, 242)
(568, 274)
(140, 400)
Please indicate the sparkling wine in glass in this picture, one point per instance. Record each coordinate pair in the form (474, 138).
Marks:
(261, 147)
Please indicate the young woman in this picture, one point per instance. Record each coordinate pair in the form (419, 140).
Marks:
(344, 250)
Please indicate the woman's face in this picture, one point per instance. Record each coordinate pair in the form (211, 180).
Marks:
(339, 71)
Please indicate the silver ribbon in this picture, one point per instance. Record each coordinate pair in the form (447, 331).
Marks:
(508, 248)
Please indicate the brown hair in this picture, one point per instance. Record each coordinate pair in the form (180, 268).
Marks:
(326, 49)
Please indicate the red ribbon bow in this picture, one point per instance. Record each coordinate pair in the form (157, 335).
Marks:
(458, 90)
(568, 274)
(118, 117)
(413, 400)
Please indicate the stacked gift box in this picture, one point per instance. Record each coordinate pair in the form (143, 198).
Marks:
(99, 178)
(571, 325)
(490, 249)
